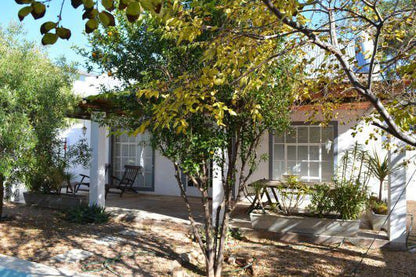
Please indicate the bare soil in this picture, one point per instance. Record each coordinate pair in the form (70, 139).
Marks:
(157, 250)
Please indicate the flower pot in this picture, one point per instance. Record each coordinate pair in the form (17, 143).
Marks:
(304, 225)
(377, 221)
(54, 201)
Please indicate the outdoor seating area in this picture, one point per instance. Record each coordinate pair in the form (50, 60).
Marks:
(143, 138)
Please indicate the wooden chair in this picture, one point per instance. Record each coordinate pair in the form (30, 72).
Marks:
(126, 182)
(85, 181)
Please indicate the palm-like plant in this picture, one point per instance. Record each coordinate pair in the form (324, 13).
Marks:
(380, 168)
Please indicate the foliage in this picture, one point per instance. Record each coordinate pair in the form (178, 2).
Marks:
(354, 165)
(349, 199)
(346, 199)
(292, 192)
(377, 206)
(219, 127)
(321, 200)
(87, 214)
(380, 169)
(35, 96)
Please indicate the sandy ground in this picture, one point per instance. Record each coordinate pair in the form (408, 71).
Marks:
(157, 249)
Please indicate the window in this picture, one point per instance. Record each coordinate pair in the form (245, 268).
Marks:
(130, 150)
(307, 151)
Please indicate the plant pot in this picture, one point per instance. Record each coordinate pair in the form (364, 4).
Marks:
(377, 221)
(54, 201)
(305, 225)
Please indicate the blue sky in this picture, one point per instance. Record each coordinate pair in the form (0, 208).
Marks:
(71, 19)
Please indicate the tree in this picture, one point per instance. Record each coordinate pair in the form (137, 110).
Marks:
(35, 96)
(384, 75)
(189, 134)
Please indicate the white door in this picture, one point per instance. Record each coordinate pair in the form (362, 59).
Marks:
(130, 150)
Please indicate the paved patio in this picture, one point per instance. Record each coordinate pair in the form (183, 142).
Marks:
(136, 207)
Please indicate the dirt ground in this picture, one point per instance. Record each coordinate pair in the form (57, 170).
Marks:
(158, 247)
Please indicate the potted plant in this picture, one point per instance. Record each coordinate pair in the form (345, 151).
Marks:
(377, 214)
(380, 168)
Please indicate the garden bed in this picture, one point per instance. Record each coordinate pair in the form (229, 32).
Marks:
(54, 201)
(306, 225)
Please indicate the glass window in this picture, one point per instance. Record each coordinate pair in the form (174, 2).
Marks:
(307, 150)
(134, 150)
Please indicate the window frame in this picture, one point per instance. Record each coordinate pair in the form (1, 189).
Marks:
(272, 160)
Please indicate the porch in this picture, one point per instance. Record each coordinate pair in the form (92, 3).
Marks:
(141, 207)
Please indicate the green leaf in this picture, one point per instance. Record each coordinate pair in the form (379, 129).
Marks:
(76, 3)
(91, 25)
(88, 4)
(47, 26)
(107, 19)
(49, 39)
(133, 11)
(108, 4)
(38, 10)
(90, 14)
(63, 33)
(23, 12)
(21, 2)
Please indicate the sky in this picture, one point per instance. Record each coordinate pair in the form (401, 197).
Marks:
(70, 19)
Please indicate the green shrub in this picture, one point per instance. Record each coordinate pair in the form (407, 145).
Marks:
(346, 199)
(292, 192)
(87, 214)
(321, 200)
(349, 199)
(377, 206)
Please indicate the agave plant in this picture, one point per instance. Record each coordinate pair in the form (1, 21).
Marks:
(380, 169)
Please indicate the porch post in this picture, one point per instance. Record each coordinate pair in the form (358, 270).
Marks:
(397, 200)
(97, 171)
(217, 192)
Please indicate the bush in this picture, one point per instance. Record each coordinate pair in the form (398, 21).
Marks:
(377, 206)
(87, 214)
(321, 200)
(292, 192)
(347, 199)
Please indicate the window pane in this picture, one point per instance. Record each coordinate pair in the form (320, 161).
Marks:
(314, 169)
(303, 134)
(291, 136)
(279, 138)
(327, 171)
(279, 152)
(303, 153)
(314, 153)
(293, 167)
(327, 133)
(327, 155)
(132, 150)
(125, 150)
(314, 134)
(303, 169)
(277, 169)
(291, 153)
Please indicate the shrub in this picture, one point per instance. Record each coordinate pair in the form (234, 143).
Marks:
(292, 192)
(377, 206)
(321, 200)
(349, 199)
(346, 199)
(87, 214)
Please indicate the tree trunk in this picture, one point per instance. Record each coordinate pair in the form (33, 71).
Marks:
(380, 191)
(1, 195)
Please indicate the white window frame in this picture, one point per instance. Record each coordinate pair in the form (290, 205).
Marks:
(308, 144)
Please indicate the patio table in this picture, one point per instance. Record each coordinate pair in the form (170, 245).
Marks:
(270, 189)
